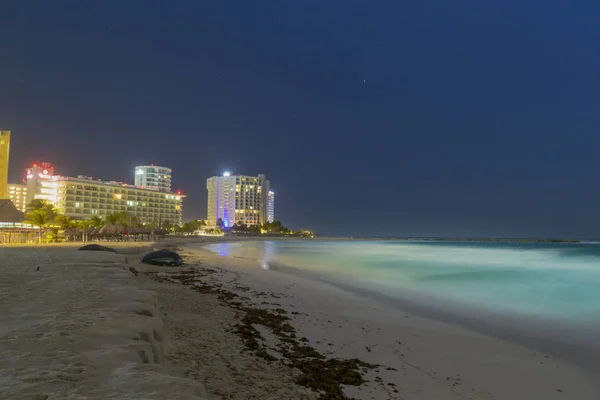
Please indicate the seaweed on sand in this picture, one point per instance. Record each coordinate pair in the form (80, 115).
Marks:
(324, 375)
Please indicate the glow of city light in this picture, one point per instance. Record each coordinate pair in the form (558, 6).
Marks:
(226, 174)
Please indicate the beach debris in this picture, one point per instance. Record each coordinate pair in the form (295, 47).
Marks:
(133, 271)
(37, 268)
(370, 347)
(163, 257)
(96, 247)
(324, 375)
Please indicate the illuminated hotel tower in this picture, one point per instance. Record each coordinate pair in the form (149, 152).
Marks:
(238, 199)
(153, 177)
(271, 207)
(4, 152)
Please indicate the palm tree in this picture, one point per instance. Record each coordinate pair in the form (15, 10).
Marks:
(39, 218)
(39, 204)
(124, 219)
(84, 225)
(166, 225)
(118, 218)
(96, 222)
(113, 218)
(134, 221)
(189, 227)
(63, 221)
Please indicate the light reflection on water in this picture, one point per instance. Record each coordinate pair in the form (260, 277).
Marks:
(267, 255)
(264, 257)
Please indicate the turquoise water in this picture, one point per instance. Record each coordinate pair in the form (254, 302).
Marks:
(546, 281)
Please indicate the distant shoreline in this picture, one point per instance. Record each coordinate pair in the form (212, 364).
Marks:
(403, 238)
(451, 239)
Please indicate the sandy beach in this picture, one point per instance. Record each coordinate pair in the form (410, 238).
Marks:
(77, 325)
(83, 325)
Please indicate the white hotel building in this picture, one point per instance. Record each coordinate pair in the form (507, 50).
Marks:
(271, 207)
(83, 197)
(153, 177)
(240, 199)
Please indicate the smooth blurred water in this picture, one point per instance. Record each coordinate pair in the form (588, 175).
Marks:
(547, 281)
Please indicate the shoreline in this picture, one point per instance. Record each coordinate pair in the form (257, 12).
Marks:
(571, 340)
(235, 237)
(580, 349)
(524, 358)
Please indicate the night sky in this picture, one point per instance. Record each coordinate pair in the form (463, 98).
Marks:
(422, 118)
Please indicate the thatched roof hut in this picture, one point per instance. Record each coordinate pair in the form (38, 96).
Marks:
(72, 231)
(110, 229)
(9, 213)
(12, 227)
(140, 231)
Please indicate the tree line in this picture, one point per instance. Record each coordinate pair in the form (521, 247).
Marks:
(272, 228)
(45, 217)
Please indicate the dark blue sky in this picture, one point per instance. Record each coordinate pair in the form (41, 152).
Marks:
(369, 117)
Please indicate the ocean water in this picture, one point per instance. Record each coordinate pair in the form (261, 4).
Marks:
(546, 282)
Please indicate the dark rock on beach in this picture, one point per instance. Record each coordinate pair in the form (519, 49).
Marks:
(96, 247)
(163, 257)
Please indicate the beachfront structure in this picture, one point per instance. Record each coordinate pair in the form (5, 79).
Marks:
(4, 153)
(17, 193)
(83, 197)
(237, 199)
(13, 229)
(271, 207)
(153, 177)
(35, 175)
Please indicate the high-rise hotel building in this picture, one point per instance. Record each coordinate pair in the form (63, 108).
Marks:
(239, 199)
(4, 153)
(153, 177)
(17, 193)
(84, 197)
(271, 207)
